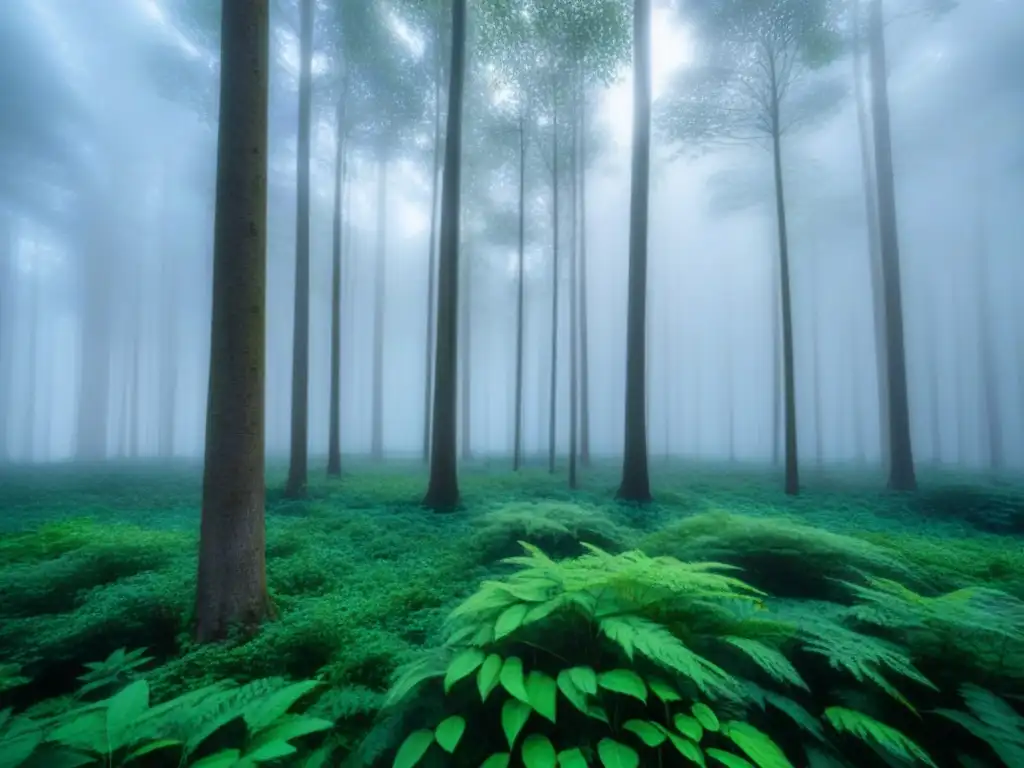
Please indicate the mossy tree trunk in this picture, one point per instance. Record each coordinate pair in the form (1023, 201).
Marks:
(232, 585)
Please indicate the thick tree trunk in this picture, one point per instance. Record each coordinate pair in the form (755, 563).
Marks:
(553, 385)
(443, 488)
(340, 168)
(584, 345)
(298, 466)
(792, 481)
(517, 440)
(232, 585)
(574, 403)
(901, 468)
(380, 265)
(874, 242)
(636, 485)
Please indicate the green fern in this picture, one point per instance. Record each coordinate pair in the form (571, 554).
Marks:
(993, 721)
(876, 734)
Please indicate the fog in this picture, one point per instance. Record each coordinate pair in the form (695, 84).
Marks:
(108, 150)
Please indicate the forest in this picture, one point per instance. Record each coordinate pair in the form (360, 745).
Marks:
(490, 383)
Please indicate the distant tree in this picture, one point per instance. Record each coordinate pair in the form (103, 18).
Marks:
(232, 586)
(750, 88)
(443, 488)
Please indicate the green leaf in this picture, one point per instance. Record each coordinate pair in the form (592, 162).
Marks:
(487, 678)
(449, 732)
(538, 752)
(569, 689)
(728, 759)
(624, 681)
(413, 748)
(290, 727)
(684, 747)
(706, 717)
(616, 755)
(585, 679)
(271, 750)
(463, 665)
(510, 620)
(145, 749)
(85, 731)
(511, 678)
(876, 733)
(646, 731)
(497, 760)
(223, 759)
(663, 690)
(514, 715)
(123, 708)
(689, 727)
(14, 750)
(758, 746)
(542, 692)
(769, 659)
(263, 712)
(572, 758)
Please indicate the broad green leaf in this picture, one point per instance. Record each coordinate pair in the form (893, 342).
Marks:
(86, 732)
(728, 759)
(413, 748)
(511, 678)
(585, 679)
(542, 693)
(572, 758)
(266, 710)
(271, 750)
(125, 706)
(463, 665)
(145, 749)
(646, 731)
(510, 620)
(624, 681)
(683, 746)
(538, 752)
(223, 759)
(616, 755)
(487, 677)
(449, 732)
(14, 750)
(514, 715)
(569, 689)
(290, 727)
(497, 760)
(706, 717)
(663, 690)
(689, 727)
(758, 746)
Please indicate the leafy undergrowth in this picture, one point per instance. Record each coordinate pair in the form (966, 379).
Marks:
(363, 578)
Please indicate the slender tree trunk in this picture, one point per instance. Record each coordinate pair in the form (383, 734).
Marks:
(95, 335)
(901, 469)
(819, 410)
(465, 387)
(377, 393)
(232, 584)
(443, 488)
(135, 363)
(991, 416)
(168, 355)
(574, 402)
(340, 170)
(636, 485)
(432, 257)
(584, 345)
(6, 336)
(777, 439)
(935, 410)
(874, 241)
(32, 361)
(517, 443)
(298, 467)
(792, 482)
(553, 401)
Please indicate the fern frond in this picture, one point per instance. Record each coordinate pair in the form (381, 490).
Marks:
(993, 721)
(876, 734)
(769, 659)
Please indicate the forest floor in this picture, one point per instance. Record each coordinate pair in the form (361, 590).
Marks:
(97, 559)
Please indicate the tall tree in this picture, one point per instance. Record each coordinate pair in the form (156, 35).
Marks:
(636, 484)
(340, 172)
(743, 93)
(232, 586)
(443, 487)
(298, 465)
(901, 455)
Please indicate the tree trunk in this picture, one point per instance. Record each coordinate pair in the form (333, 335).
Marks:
(428, 378)
(135, 362)
(584, 347)
(792, 482)
(874, 242)
(901, 469)
(94, 340)
(168, 355)
(465, 390)
(777, 439)
(32, 361)
(574, 403)
(517, 441)
(986, 331)
(935, 409)
(443, 488)
(377, 392)
(298, 466)
(636, 485)
(340, 169)
(553, 393)
(819, 411)
(6, 336)
(232, 584)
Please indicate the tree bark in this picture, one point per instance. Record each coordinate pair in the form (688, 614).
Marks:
(298, 466)
(465, 386)
(901, 465)
(340, 169)
(636, 485)
(517, 440)
(380, 264)
(443, 487)
(428, 378)
(232, 585)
